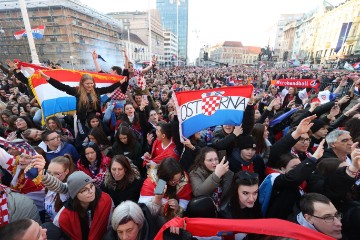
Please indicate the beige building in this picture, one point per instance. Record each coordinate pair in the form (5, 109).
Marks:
(138, 23)
(72, 32)
(227, 52)
(251, 54)
(287, 40)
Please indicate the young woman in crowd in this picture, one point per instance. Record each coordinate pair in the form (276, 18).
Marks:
(260, 135)
(97, 135)
(61, 168)
(244, 203)
(87, 97)
(92, 160)
(211, 176)
(95, 121)
(126, 144)
(54, 123)
(87, 213)
(22, 124)
(176, 195)
(122, 181)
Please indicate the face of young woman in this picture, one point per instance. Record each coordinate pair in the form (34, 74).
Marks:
(57, 170)
(15, 110)
(90, 154)
(35, 135)
(88, 85)
(5, 118)
(92, 139)
(52, 125)
(228, 129)
(211, 160)
(129, 110)
(94, 122)
(21, 124)
(87, 193)
(248, 195)
(123, 138)
(117, 171)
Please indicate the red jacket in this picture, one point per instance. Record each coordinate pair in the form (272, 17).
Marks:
(105, 161)
(69, 220)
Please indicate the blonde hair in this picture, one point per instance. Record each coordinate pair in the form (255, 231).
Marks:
(84, 99)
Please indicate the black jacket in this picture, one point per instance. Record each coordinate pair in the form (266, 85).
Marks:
(285, 192)
(81, 112)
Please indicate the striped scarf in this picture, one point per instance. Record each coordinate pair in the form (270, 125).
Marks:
(4, 212)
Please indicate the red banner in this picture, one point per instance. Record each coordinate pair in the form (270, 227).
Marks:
(297, 83)
(207, 227)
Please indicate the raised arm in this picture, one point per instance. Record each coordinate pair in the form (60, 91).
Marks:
(58, 85)
(95, 57)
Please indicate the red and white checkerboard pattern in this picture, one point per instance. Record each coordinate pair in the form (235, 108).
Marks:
(209, 105)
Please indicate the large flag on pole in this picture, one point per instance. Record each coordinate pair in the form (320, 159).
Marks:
(38, 33)
(200, 109)
(53, 101)
(344, 32)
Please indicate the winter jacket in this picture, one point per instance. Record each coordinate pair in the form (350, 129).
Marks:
(205, 183)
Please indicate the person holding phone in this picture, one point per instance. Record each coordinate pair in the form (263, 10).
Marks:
(211, 176)
(176, 191)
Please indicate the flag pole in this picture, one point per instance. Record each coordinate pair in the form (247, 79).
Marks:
(24, 13)
(149, 23)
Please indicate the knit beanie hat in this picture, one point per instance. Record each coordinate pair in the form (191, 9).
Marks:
(317, 125)
(77, 181)
(245, 142)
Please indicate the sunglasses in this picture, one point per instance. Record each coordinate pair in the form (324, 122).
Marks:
(87, 144)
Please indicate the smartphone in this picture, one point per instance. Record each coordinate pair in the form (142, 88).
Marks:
(221, 154)
(160, 186)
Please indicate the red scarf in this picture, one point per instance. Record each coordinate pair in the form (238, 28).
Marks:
(69, 220)
(4, 212)
(249, 168)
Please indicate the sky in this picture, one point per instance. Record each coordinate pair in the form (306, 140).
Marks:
(251, 22)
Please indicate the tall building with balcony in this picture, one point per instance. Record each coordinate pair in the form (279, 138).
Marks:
(228, 52)
(72, 31)
(174, 17)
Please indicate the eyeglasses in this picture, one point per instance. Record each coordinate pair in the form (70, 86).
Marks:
(160, 113)
(329, 219)
(303, 140)
(87, 190)
(57, 175)
(55, 138)
(87, 144)
(182, 179)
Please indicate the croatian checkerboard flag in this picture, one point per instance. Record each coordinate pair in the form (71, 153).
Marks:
(201, 109)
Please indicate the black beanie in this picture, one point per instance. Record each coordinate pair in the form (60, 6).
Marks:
(317, 125)
(245, 142)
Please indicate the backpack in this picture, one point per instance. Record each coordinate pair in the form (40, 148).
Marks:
(265, 191)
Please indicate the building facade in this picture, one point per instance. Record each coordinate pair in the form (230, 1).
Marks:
(174, 17)
(72, 32)
(138, 23)
(170, 48)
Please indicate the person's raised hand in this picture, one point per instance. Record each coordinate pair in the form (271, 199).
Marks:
(355, 156)
(39, 163)
(303, 127)
(94, 55)
(238, 130)
(174, 204)
(221, 168)
(320, 150)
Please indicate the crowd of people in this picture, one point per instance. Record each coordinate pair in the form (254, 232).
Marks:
(120, 169)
